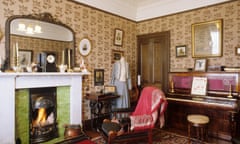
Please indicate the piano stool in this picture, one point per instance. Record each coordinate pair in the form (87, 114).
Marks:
(200, 123)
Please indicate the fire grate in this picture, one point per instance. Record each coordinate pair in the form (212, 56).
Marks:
(43, 115)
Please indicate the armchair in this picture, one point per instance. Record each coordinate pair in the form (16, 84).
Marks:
(140, 122)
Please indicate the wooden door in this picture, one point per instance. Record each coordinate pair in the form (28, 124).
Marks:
(153, 59)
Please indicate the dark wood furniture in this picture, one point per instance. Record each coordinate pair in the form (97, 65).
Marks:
(222, 110)
(200, 124)
(80, 139)
(136, 124)
(98, 102)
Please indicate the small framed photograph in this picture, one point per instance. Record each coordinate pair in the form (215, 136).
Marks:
(116, 55)
(181, 51)
(25, 58)
(98, 77)
(109, 89)
(118, 37)
(199, 86)
(237, 50)
(200, 65)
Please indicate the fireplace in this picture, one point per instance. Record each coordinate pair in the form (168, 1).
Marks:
(18, 81)
(43, 114)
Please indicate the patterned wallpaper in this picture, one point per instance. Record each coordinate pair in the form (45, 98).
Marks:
(179, 26)
(97, 25)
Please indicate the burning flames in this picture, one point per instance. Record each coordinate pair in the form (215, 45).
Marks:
(42, 118)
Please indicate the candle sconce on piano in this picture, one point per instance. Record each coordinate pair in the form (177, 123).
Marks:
(172, 87)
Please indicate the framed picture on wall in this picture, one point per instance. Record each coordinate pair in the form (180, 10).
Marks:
(207, 39)
(118, 37)
(85, 47)
(116, 55)
(98, 77)
(200, 65)
(181, 51)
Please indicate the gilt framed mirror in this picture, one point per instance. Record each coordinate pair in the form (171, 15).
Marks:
(38, 33)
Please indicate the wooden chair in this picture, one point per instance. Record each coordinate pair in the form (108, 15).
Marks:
(140, 123)
(134, 95)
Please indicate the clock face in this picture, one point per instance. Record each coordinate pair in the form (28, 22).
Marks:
(50, 58)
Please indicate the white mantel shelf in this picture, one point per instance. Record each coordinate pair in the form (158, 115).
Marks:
(9, 82)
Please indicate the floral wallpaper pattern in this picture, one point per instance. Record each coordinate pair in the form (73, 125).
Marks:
(85, 21)
(179, 26)
(99, 27)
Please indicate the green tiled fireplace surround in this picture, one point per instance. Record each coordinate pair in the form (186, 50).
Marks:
(22, 113)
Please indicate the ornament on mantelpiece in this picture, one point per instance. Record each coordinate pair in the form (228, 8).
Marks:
(83, 66)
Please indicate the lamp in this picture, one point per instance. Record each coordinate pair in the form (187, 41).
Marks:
(21, 27)
(29, 29)
(38, 29)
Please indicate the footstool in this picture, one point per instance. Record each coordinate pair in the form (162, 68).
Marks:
(200, 123)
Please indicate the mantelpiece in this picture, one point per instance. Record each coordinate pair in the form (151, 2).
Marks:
(9, 82)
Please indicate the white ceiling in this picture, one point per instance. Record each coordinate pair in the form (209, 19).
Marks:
(139, 10)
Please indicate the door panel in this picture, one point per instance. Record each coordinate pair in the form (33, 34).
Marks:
(153, 60)
(146, 63)
(157, 64)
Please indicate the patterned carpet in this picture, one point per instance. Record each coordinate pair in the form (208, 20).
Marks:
(159, 137)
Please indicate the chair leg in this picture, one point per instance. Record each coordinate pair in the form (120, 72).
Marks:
(150, 137)
(189, 133)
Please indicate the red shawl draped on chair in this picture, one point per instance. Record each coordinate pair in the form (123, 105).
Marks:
(146, 112)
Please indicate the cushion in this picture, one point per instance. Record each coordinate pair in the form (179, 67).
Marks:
(110, 126)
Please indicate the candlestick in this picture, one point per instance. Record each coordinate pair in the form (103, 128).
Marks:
(17, 54)
(17, 49)
(63, 57)
(139, 80)
(14, 55)
(69, 59)
(172, 86)
(230, 91)
(0, 60)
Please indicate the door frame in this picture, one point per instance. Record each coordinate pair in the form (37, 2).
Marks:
(166, 36)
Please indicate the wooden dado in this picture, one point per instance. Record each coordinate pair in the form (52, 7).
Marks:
(222, 110)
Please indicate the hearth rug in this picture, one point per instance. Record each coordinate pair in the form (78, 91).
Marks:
(159, 137)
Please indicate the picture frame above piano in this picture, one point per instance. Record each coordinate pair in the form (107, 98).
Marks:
(207, 39)
(200, 65)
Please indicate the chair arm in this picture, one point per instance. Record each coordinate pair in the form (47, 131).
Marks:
(123, 110)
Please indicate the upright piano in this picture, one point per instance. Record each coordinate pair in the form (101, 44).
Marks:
(220, 102)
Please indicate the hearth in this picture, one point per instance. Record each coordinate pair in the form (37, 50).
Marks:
(43, 114)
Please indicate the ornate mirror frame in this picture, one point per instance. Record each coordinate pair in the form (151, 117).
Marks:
(43, 17)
